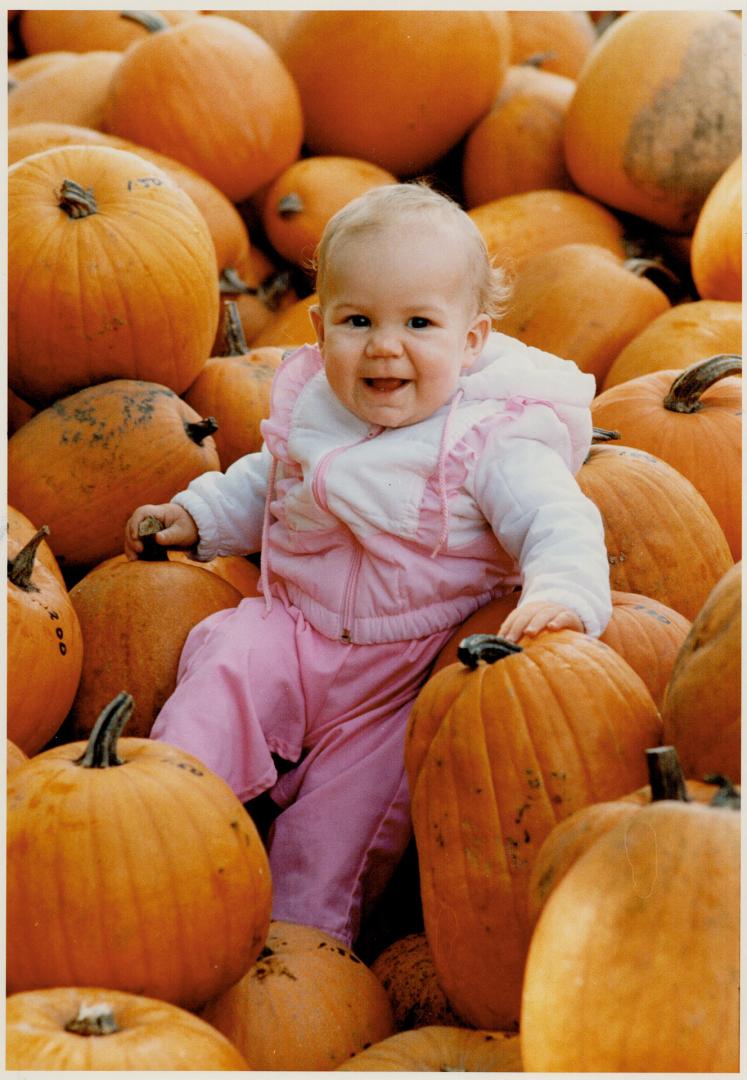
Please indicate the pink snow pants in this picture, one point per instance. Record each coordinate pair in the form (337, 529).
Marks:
(251, 683)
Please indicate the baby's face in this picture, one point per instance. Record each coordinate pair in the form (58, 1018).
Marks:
(397, 324)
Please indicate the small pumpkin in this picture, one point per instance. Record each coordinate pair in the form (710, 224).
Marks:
(84, 1028)
(407, 972)
(702, 702)
(81, 31)
(73, 92)
(691, 419)
(130, 866)
(336, 1004)
(716, 254)
(439, 1048)
(289, 328)
(560, 41)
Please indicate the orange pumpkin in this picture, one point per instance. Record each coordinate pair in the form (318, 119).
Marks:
(130, 866)
(84, 1028)
(212, 94)
(81, 31)
(226, 225)
(290, 327)
(235, 569)
(235, 388)
(582, 302)
(518, 226)
(372, 82)
(678, 337)
(634, 962)
(495, 756)
(272, 25)
(116, 230)
(437, 1048)
(518, 145)
(559, 40)
(45, 647)
(691, 419)
(21, 529)
(407, 972)
(716, 254)
(14, 757)
(260, 289)
(18, 70)
(303, 198)
(73, 92)
(663, 540)
(337, 1005)
(19, 411)
(656, 117)
(83, 464)
(702, 702)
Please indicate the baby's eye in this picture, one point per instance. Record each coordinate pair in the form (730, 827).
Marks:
(358, 320)
(418, 322)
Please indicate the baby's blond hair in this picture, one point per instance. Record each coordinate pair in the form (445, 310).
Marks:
(389, 204)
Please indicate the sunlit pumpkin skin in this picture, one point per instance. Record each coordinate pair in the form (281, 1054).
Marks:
(44, 647)
(438, 1048)
(145, 875)
(656, 117)
(581, 302)
(76, 310)
(122, 608)
(372, 95)
(84, 1028)
(18, 70)
(15, 756)
(561, 40)
(235, 118)
(495, 756)
(83, 464)
(518, 146)
(81, 31)
(235, 389)
(300, 201)
(226, 225)
(331, 1002)
(691, 419)
(716, 254)
(518, 226)
(407, 973)
(21, 529)
(662, 538)
(644, 632)
(289, 328)
(702, 703)
(634, 962)
(74, 92)
(678, 337)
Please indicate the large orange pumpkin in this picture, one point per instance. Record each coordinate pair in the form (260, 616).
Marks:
(397, 88)
(582, 302)
(84, 1028)
(130, 866)
(678, 337)
(691, 419)
(439, 1048)
(212, 94)
(716, 253)
(702, 702)
(656, 117)
(495, 756)
(83, 464)
(326, 1002)
(122, 283)
(44, 647)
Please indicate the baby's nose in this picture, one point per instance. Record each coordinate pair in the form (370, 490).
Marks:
(383, 342)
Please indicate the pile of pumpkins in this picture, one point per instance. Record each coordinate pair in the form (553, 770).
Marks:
(574, 800)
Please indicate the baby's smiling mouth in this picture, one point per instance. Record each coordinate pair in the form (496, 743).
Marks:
(386, 385)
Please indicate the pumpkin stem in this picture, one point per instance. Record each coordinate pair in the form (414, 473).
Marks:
(151, 20)
(272, 290)
(93, 1020)
(77, 202)
(727, 795)
(686, 390)
(536, 60)
(487, 647)
(152, 551)
(101, 748)
(290, 204)
(198, 430)
(230, 281)
(640, 267)
(665, 775)
(21, 567)
(600, 434)
(234, 341)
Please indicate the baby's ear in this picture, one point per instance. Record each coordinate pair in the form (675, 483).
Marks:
(477, 338)
(317, 321)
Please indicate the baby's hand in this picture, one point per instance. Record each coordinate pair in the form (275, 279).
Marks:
(179, 528)
(530, 619)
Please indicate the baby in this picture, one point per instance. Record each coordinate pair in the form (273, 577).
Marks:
(415, 465)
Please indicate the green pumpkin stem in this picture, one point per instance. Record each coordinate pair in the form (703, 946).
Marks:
(151, 20)
(152, 551)
(93, 1020)
(290, 204)
(665, 775)
(77, 202)
(686, 390)
(234, 341)
(198, 430)
(21, 567)
(101, 749)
